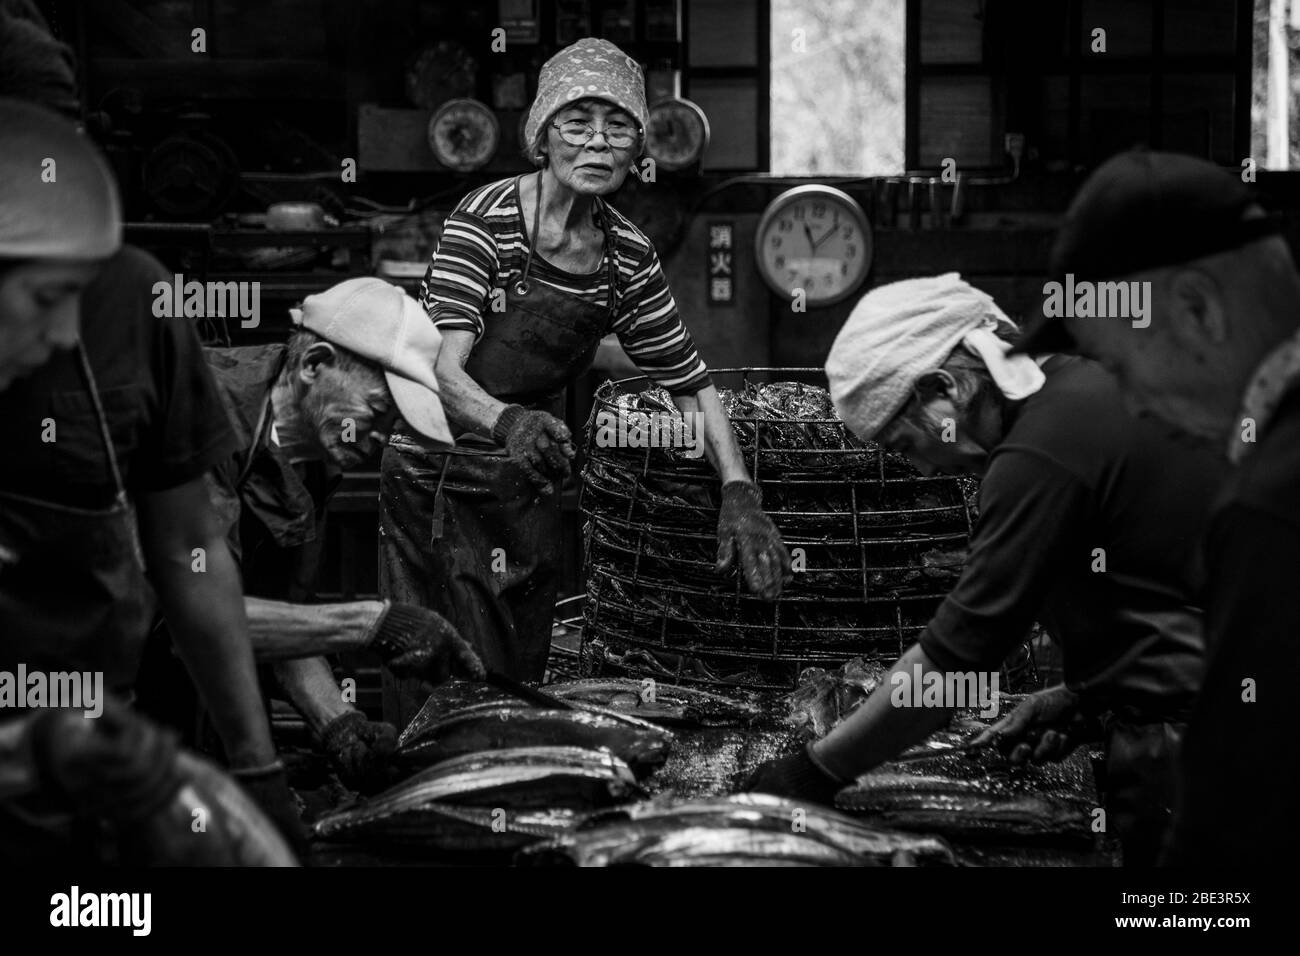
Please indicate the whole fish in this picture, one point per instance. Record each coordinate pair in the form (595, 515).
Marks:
(696, 845)
(433, 737)
(497, 799)
(604, 838)
(728, 846)
(659, 702)
(980, 808)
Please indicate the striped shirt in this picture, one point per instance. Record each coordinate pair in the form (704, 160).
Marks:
(483, 248)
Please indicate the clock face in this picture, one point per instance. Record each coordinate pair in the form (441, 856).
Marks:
(814, 238)
(463, 135)
(678, 134)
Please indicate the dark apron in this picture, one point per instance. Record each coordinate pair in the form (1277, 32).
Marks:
(73, 597)
(464, 532)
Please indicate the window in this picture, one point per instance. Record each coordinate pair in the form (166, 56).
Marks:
(837, 92)
(1274, 125)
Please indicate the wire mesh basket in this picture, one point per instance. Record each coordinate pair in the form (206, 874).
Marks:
(875, 545)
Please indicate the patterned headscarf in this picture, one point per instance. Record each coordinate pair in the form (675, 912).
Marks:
(589, 69)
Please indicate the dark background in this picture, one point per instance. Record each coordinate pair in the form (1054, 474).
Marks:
(203, 142)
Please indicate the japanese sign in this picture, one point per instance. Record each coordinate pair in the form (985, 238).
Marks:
(720, 274)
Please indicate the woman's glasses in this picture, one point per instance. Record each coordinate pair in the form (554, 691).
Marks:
(578, 133)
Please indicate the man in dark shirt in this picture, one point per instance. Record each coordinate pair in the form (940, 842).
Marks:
(168, 428)
(1218, 359)
(1086, 518)
(163, 427)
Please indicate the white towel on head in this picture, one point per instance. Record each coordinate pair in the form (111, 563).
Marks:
(902, 330)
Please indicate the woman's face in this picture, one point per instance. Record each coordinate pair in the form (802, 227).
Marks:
(595, 169)
(39, 312)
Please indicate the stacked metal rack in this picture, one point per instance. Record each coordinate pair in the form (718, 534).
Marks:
(876, 545)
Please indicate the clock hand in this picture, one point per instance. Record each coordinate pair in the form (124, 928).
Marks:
(828, 233)
(807, 231)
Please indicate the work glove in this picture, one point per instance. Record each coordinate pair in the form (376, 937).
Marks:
(361, 750)
(799, 777)
(746, 532)
(415, 642)
(1045, 726)
(269, 788)
(538, 443)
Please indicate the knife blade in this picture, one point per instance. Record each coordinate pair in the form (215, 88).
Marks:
(530, 694)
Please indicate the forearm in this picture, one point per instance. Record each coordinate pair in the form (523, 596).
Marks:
(464, 400)
(313, 691)
(879, 730)
(720, 446)
(282, 631)
(612, 360)
(205, 613)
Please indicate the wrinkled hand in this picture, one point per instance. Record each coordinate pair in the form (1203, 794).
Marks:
(746, 532)
(796, 777)
(416, 642)
(1046, 726)
(538, 443)
(361, 750)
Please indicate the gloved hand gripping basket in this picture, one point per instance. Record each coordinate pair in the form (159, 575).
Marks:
(875, 545)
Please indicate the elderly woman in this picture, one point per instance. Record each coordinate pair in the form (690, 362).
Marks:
(1087, 518)
(530, 274)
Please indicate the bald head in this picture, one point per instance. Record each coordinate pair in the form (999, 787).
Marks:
(58, 199)
(1213, 321)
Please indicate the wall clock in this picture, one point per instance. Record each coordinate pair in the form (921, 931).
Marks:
(464, 134)
(678, 134)
(815, 238)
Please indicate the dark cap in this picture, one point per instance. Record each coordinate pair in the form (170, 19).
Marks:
(1144, 210)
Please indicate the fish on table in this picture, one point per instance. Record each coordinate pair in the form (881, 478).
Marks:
(435, 734)
(749, 829)
(493, 800)
(659, 702)
(979, 797)
(724, 847)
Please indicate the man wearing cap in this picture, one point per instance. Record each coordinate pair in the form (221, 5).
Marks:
(1086, 517)
(1217, 360)
(362, 356)
(529, 275)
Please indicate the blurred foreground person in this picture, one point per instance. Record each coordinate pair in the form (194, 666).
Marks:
(111, 420)
(1216, 359)
(121, 783)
